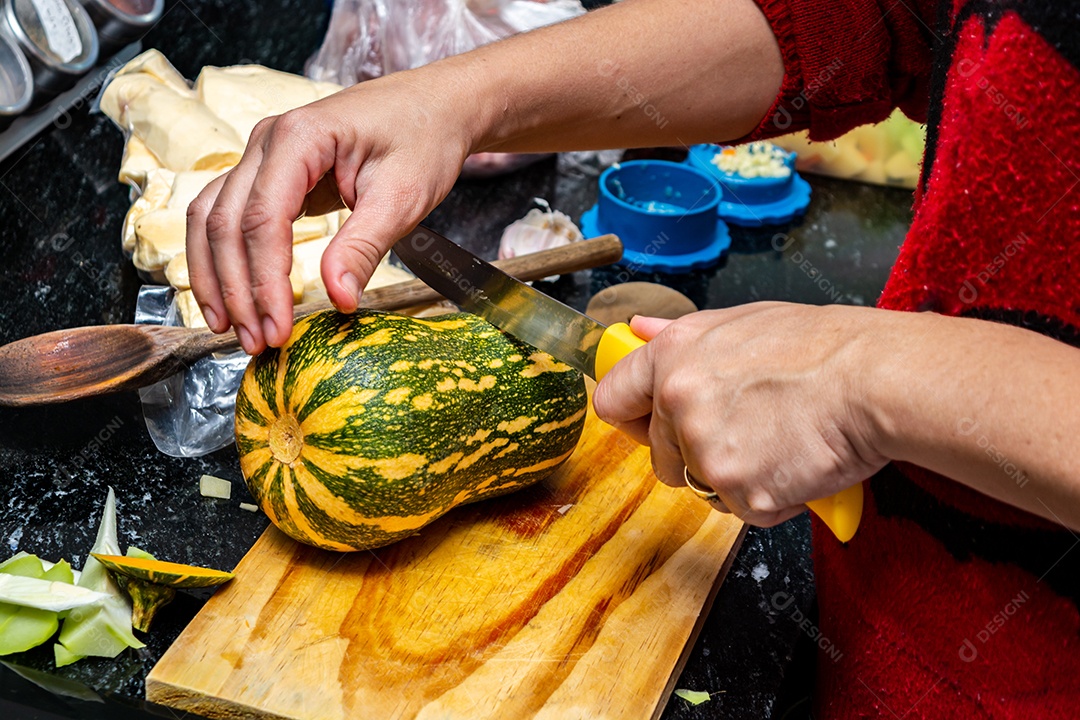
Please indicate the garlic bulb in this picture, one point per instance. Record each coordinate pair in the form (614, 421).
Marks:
(540, 229)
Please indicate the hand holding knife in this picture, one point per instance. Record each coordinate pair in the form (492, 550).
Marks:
(568, 335)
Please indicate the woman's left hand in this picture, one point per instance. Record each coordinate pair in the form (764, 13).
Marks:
(762, 403)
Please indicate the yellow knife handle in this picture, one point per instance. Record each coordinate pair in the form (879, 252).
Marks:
(617, 342)
(841, 512)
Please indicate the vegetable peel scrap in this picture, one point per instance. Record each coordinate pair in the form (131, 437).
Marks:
(35, 596)
(694, 697)
(103, 630)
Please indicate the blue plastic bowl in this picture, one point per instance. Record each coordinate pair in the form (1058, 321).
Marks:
(749, 191)
(753, 202)
(665, 213)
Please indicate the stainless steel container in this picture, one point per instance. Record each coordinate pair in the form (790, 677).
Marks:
(58, 39)
(120, 22)
(16, 81)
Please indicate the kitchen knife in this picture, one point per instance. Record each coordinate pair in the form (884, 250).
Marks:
(564, 333)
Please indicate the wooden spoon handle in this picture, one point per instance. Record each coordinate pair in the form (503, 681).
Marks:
(582, 255)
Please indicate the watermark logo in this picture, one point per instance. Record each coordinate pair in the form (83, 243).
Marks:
(781, 242)
(79, 459)
(607, 68)
(969, 291)
(968, 427)
(968, 68)
(782, 601)
(782, 118)
(421, 241)
(968, 650)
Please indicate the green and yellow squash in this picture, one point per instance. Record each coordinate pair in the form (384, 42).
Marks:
(151, 583)
(364, 428)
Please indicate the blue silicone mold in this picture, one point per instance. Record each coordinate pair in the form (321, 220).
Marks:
(753, 202)
(665, 213)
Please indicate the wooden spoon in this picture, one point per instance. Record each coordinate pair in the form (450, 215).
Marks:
(82, 362)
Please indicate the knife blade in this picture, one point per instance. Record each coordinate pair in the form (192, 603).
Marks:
(564, 333)
(516, 308)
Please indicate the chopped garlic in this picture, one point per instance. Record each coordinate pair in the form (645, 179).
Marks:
(755, 160)
(249, 507)
(215, 487)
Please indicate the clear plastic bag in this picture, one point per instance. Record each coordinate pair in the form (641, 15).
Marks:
(370, 38)
(191, 413)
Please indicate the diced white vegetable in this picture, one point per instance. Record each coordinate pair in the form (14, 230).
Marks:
(215, 487)
(45, 595)
(249, 507)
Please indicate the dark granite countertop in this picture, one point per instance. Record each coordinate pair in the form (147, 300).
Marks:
(61, 265)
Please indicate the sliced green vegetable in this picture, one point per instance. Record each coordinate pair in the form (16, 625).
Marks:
(60, 572)
(55, 684)
(22, 627)
(44, 594)
(135, 552)
(62, 656)
(104, 629)
(24, 564)
(694, 697)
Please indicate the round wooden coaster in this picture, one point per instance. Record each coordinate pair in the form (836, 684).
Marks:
(619, 303)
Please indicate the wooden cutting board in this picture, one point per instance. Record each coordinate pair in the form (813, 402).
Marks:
(576, 598)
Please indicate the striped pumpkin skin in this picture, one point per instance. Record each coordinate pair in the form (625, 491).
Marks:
(364, 428)
(169, 574)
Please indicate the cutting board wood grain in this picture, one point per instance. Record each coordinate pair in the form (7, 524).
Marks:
(576, 598)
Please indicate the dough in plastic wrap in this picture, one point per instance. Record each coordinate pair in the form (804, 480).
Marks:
(177, 275)
(312, 228)
(176, 272)
(307, 264)
(307, 259)
(155, 195)
(161, 231)
(154, 64)
(189, 310)
(181, 132)
(159, 237)
(138, 161)
(188, 184)
(243, 95)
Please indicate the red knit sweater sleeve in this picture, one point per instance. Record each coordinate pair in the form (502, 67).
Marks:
(848, 63)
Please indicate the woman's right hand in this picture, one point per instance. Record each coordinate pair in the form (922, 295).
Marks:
(389, 149)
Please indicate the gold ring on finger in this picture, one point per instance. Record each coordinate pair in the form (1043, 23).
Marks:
(698, 489)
